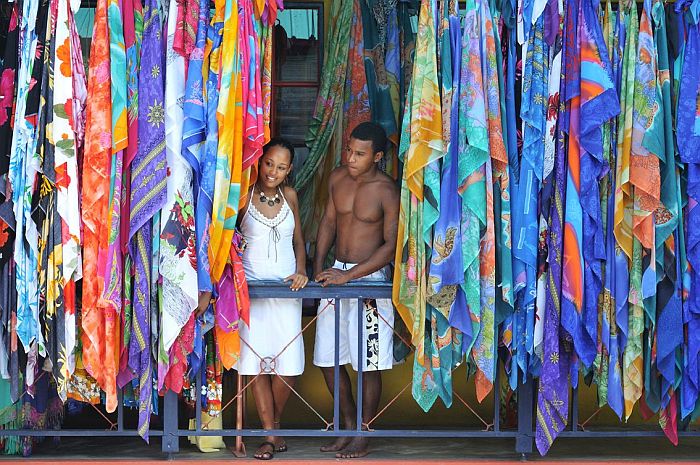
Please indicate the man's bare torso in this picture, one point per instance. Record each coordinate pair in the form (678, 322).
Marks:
(359, 214)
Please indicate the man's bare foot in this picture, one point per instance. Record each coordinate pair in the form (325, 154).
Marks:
(337, 445)
(356, 449)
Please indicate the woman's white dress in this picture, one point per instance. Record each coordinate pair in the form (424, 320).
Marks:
(273, 340)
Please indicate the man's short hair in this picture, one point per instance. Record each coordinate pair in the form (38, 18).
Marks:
(372, 132)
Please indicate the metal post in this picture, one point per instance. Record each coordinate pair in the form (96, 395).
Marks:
(198, 396)
(496, 393)
(336, 367)
(574, 409)
(360, 362)
(120, 410)
(239, 450)
(171, 443)
(524, 438)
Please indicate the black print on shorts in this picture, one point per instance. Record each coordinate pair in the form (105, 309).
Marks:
(372, 331)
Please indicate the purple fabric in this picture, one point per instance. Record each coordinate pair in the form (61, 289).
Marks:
(148, 194)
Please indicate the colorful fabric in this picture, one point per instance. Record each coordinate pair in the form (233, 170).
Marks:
(689, 147)
(186, 28)
(133, 33)
(199, 99)
(546, 194)
(22, 170)
(594, 101)
(553, 392)
(669, 324)
(432, 376)
(497, 226)
(228, 163)
(137, 190)
(608, 360)
(232, 306)
(111, 266)
(533, 112)
(178, 252)
(148, 195)
(481, 138)
(375, 17)
(357, 108)
(67, 59)
(98, 320)
(328, 103)
(421, 145)
(251, 93)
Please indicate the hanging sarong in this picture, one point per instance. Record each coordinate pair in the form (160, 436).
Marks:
(609, 370)
(357, 108)
(497, 202)
(688, 139)
(546, 193)
(44, 210)
(328, 103)
(99, 322)
(22, 170)
(148, 194)
(178, 253)
(533, 113)
(669, 325)
(473, 141)
(229, 154)
(375, 17)
(133, 33)
(66, 112)
(194, 133)
(432, 375)
(421, 145)
(553, 392)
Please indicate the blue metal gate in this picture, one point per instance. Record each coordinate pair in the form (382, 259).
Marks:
(523, 435)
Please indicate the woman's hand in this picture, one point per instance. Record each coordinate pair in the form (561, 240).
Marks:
(299, 281)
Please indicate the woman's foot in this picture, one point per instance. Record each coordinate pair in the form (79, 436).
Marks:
(280, 444)
(266, 451)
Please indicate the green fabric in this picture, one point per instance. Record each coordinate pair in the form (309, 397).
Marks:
(9, 419)
(328, 103)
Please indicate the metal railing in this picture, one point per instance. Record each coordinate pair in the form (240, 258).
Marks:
(359, 291)
(523, 435)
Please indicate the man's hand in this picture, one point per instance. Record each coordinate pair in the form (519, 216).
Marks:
(299, 281)
(203, 304)
(332, 276)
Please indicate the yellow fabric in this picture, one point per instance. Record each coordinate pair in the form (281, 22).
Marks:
(208, 443)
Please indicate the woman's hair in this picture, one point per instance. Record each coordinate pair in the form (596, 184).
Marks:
(280, 142)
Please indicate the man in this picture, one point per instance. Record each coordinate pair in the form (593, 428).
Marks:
(362, 217)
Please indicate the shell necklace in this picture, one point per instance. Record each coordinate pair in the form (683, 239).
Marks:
(271, 201)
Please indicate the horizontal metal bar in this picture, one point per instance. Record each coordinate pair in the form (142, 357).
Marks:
(313, 290)
(73, 432)
(352, 432)
(622, 434)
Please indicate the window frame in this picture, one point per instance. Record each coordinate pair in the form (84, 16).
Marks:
(275, 84)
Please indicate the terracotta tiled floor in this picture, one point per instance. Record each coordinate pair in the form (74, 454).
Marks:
(305, 450)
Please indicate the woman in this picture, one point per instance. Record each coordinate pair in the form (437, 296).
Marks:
(272, 347)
